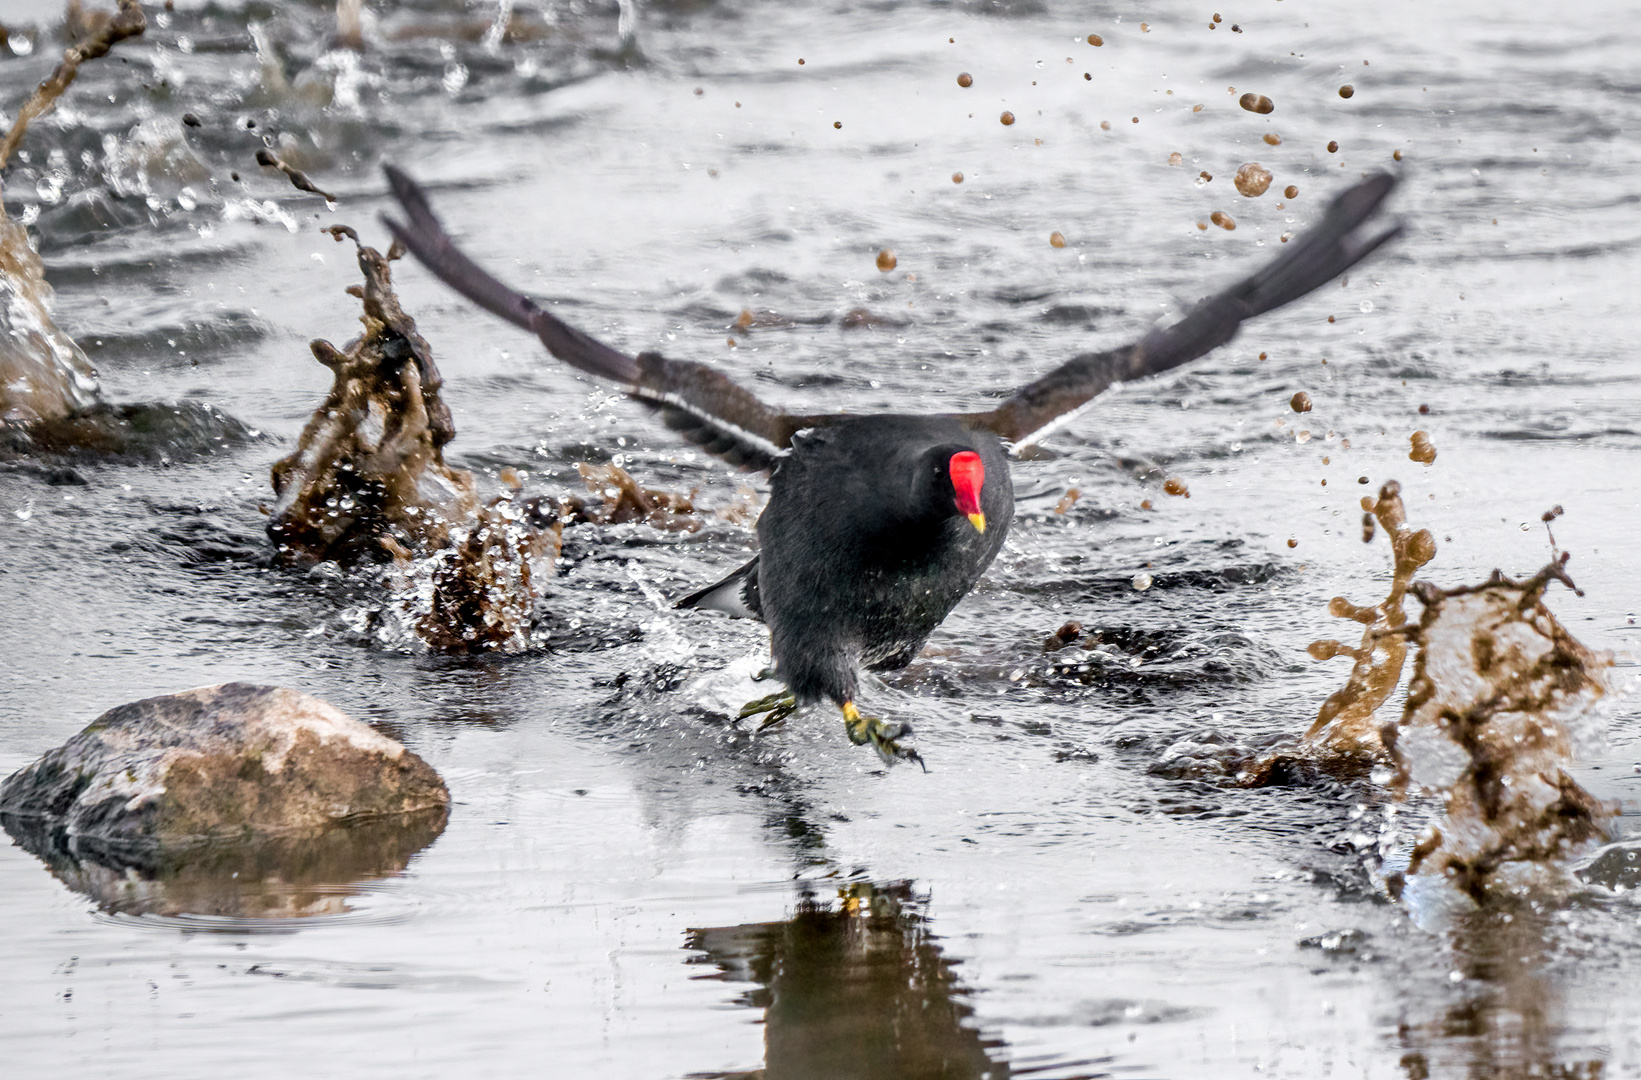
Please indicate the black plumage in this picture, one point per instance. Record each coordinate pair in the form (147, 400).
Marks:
(877, 526)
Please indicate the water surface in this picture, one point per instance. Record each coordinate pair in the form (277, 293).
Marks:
(628, 884)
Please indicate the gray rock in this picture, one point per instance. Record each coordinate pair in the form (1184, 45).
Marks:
(230, 763)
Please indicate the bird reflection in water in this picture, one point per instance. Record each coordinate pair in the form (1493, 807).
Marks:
(858, 991)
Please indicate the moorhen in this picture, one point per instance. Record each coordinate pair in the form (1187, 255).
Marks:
(877, 525)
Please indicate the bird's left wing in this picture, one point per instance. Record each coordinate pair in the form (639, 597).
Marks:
(694, 400)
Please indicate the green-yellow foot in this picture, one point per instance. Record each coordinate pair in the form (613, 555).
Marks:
(885, 738)
(778, 706)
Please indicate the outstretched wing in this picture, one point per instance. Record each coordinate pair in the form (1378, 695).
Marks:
(693, 399)
(1329, 248)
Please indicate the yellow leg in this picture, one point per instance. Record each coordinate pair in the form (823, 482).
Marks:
(778, 707)
(883, 737)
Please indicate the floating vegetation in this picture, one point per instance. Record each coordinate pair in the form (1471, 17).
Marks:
(625, 502)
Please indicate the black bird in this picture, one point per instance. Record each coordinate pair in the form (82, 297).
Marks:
(878, 525)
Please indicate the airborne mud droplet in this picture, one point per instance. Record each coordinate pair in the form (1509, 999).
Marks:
(1056, 239)
(1423, 451)
(1096, 40)
(1257, 103)
(886, 260)
(1300, 402)
(1333, 147)
(965, 80)
(1272, 139)
(1347, 91)
(1223, 220)
(1290, 192)
(1007, 118)
(1253, 180)
(957, 178)
(1175, 486)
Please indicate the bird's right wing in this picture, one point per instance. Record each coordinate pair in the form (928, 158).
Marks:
(694, 400)
(1326, 250)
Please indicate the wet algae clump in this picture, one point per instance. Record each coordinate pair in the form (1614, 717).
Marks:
(368, 483)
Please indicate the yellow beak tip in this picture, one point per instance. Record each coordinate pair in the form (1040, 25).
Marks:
(978, 521)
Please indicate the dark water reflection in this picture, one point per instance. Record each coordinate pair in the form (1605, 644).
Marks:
(857, 990)
(1510, 1020)
(238, 887)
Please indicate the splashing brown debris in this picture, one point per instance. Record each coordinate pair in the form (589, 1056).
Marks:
(1345, 724)
(625, 502)
(299, 179)
(1497, 683)
(101, 35)
(368, 481)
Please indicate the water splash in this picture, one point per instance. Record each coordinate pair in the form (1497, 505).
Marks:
(368, 483)
(43, 373)
(1497, 690)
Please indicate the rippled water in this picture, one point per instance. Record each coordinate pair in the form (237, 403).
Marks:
(628, 885)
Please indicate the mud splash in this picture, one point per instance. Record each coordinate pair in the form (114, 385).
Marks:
(43, 374)
(1497, 689)
(368, 483)
(1346, 728)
